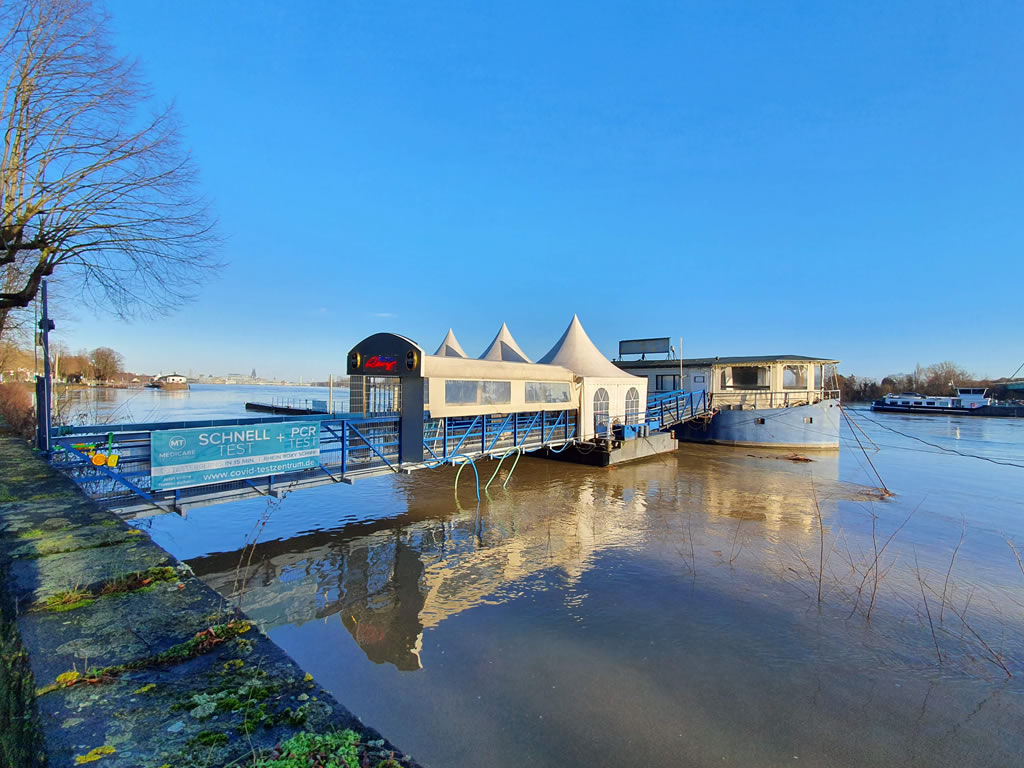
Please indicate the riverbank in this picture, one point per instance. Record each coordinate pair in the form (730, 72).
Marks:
(113, 652)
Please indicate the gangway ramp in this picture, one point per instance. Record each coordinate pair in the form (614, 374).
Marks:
(670, 409)
(113, 464)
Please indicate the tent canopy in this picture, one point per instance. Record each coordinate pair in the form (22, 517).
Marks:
(578, 353)
(450, 347)
(505, 349)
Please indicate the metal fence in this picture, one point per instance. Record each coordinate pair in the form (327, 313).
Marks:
(444, 438)
(749, 399)
(112, 463)
(665, 409)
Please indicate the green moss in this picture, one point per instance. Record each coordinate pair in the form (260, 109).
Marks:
(32, 533)
(145, 689)
(202, 642)
(21, 741)
(138, 581)
(59, 608)
(133, 582)
(93, 755)
(254, 717)
(210, 739)
(339, 748)
(68, 600)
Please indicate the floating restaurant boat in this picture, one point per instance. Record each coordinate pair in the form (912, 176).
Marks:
(968, 401)
(780, 401)
(599, 412)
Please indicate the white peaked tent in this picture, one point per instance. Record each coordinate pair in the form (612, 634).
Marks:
(450, 347)
(624, 393)
(504, 349)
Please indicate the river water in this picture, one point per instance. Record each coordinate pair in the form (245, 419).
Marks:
(663, 613)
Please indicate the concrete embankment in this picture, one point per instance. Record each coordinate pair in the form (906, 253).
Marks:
(115, 654)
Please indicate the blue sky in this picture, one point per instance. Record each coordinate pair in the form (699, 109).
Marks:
(810, 178)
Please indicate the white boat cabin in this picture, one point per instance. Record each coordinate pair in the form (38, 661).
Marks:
(736, 383)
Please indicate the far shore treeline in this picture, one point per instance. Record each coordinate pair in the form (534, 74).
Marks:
(937, 379)
(105, 365)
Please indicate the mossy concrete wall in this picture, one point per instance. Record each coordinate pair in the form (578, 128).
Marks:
(135, 661)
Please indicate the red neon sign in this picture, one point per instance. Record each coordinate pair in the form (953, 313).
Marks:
(381, 361)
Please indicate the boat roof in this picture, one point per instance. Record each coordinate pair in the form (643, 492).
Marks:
(733, 360)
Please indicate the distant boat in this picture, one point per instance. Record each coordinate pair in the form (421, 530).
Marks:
(968, 401)
(170, 381)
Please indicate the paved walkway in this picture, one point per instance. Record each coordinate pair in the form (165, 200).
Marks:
(137, 662)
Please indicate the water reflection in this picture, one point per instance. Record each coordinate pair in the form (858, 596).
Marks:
(389, 580)
(661, 613)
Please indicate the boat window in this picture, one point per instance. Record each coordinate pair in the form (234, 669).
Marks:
(495, 392)
(819, 377)
(930, 402)
(699, 379)
(745, 377)
(601, 408)
(794, 377)
(905, 402)
(461, 392)
(632, 406)
(759, 421)
(667, 383)
(547, 392)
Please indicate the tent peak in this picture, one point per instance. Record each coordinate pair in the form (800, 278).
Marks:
(575, 351)
(450, 347)
(504, 348)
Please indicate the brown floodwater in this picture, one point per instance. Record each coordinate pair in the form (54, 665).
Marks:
(662, 613)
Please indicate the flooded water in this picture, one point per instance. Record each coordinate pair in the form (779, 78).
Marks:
(662, 613)
(101, 405)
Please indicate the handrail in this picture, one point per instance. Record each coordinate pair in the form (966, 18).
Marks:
(773, 398)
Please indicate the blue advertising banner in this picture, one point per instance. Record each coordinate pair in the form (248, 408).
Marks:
(184, 458)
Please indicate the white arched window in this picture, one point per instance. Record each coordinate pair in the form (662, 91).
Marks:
(600, 408)
(632, 406)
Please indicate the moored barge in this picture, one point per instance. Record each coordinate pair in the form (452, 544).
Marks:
(968, 401)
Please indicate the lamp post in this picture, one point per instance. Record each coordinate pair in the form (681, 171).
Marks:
(44, 386)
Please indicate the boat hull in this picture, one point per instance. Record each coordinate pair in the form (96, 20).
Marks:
(805, 427)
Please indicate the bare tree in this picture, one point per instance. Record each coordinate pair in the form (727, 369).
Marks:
(92, 190)
(106, 363)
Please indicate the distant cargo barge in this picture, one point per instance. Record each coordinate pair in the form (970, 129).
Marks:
(968, 401)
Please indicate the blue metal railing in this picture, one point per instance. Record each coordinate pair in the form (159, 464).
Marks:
(112, 463)
(666, 409)
(444, 438)
(348, 447)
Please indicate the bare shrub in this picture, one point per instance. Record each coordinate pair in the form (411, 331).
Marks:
(16, 407)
